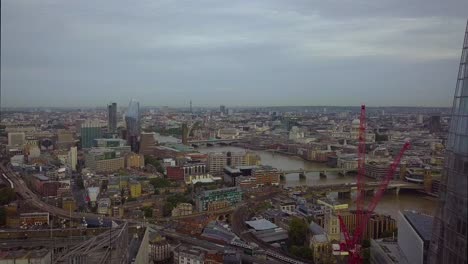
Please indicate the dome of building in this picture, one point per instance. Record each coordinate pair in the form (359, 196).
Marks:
(355, 123)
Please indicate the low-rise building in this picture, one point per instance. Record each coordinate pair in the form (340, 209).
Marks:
(318, 242)
(285, 205)
(135, 188)
(217, 161)
(36, 218)
(68, 204)
(104, 205)
(182, 209)
(104, 160)
(232, 196)
(266, 176)
(159, 249)
(134, 160)
(26, 255)
(188, 254)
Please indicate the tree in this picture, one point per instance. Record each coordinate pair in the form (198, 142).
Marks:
(167, 209)
(122, 195)
(172, 201)
(160, 183)
(2, 216)
(154, 162)
(366, 243)
(7, 195)
(297, 231)
(79, 183)
(301, 251)
(366, 256)
(148, 211)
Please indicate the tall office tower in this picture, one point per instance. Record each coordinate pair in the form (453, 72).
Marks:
(222, 109)
(434, 124)
(73, 158)
(420, 119)
(191, 107)
(112, 117)
(132, 119)
(147, 142)
(90, 130)
(449, 233)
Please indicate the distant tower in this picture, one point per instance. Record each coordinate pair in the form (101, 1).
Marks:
(112, 117)
(185, 133)
(132, 119)
(191, 107)
(434, 124)
(73, 158)
(449, 232)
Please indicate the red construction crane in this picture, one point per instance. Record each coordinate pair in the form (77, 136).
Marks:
(352, 245)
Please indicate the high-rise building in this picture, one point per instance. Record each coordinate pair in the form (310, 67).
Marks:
(434, 124)
(414, 235)
(449, 232)
(222, 109)
(73, 158)
(132, 119)
(90, 130)
(420, 119)
(112, 117)
(16, 139)
(147, 142)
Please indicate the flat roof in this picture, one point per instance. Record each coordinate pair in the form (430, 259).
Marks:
(271, 235)
(261, 224)
(41, 177)
(421, 223)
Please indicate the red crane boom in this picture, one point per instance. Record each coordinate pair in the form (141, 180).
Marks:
(380, 192)
(362, 216)
(361, 166)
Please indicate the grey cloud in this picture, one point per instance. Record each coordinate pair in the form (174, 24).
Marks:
(239, 52)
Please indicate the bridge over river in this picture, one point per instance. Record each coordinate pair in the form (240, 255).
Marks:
(347, 188)
(322, 171)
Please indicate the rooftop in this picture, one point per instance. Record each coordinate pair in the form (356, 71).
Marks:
(261, 224)
(421, 223)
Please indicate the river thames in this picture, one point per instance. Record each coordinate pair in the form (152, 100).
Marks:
(390, 203)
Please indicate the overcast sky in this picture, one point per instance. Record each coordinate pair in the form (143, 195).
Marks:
(236, 53)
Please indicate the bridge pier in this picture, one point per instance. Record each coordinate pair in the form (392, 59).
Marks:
(302, 176)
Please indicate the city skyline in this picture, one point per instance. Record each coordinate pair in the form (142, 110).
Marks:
(244, 54)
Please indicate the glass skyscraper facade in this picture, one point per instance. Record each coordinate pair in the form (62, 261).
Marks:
(112, 117)
(90, 130)
(448, 242)
(132, 119)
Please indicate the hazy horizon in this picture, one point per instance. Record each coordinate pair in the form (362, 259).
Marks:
(265, 54)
